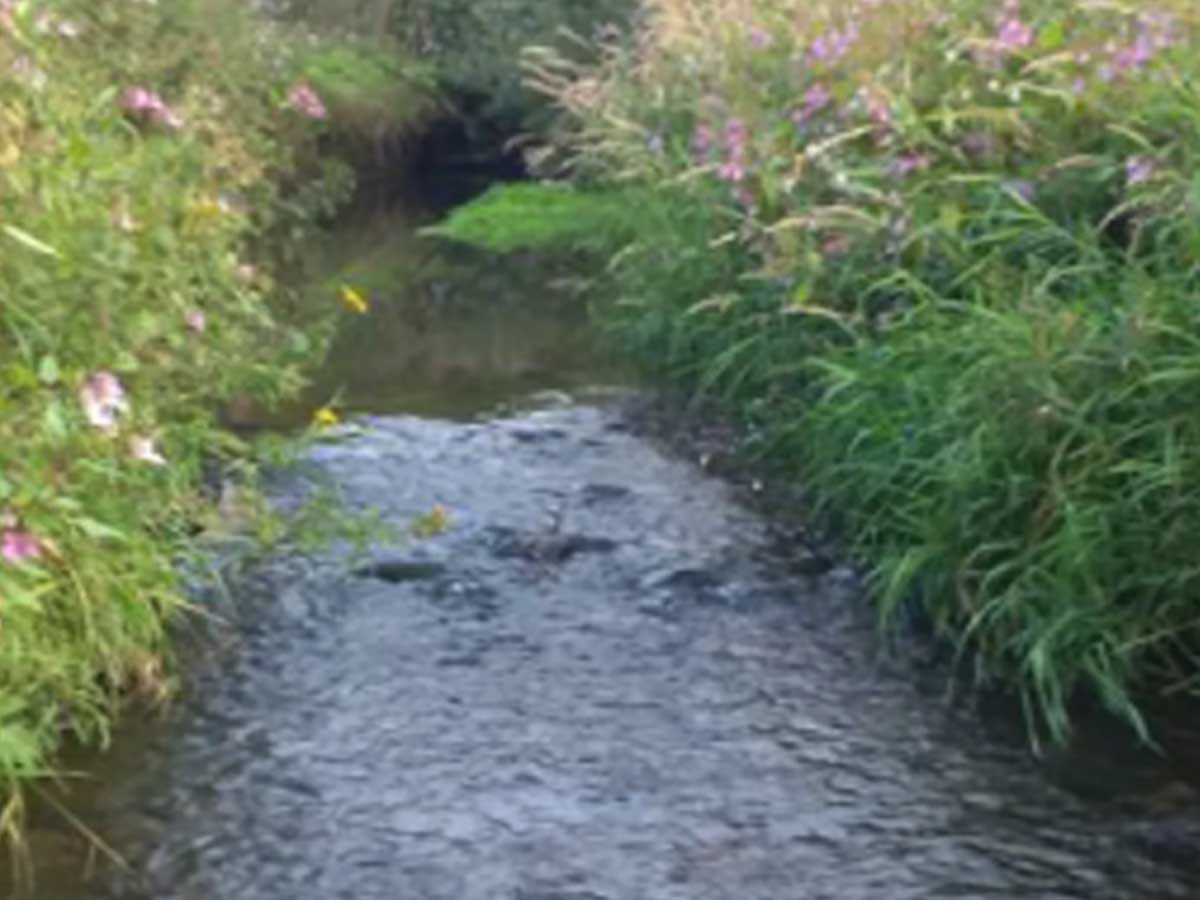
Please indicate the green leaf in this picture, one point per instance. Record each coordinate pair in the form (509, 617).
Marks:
(98, 530)
(48, 371)
(29, 241)
(1053, 36)
(54, 422)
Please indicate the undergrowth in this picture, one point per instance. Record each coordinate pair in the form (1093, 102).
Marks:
(154, 160)
(945, 256)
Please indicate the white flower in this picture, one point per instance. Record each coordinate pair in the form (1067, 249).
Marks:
(103, 400)
(142, 449)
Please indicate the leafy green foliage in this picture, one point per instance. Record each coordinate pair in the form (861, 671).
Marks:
(476, 44)
(374, 92)
(152, 157)
(947, 268)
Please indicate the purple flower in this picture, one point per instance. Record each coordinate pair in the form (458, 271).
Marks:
(702, 139)
(816, 98)
(904, 166)
(831, 47)
(1022, 187)
(1138, 169)
(1135, 56)
(759, 39)
(735, 134)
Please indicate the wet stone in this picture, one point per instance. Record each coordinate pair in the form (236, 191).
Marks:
(398, 571)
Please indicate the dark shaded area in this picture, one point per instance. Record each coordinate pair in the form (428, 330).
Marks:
(456, 156)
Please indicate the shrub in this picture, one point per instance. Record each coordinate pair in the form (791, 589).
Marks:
(376, 97)
(946, 256)
(142, 152)
(475, 44)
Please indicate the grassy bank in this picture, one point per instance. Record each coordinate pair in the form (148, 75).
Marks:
(155, 159)
(944, 257)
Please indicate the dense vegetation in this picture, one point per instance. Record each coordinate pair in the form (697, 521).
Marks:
(155, 161)
(473, 46)
(945, 258)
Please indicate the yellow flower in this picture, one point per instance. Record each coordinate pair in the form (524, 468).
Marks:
(353, 300)
(433, 523)
(208, 208)
(325, 418)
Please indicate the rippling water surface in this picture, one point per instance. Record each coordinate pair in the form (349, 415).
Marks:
(603, 682)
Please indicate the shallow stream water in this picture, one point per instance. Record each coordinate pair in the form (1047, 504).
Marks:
(604, 681)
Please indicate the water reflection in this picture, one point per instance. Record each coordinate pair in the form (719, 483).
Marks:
(451, 333)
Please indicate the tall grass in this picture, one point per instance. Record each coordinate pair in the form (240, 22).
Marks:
(945, 256)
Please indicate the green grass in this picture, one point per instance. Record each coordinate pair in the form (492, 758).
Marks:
(950, 281)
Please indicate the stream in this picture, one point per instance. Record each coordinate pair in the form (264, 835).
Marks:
(603, 681)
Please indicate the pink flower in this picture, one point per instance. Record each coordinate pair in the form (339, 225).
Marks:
(196, 321)
(103, 400)
(1134, 56)
(702, 139)
(1014, 35)
(905, 165)
(733, 171)
(143, 449)
(304, 100)
(879, 110)
(146, 106)
(18, 546)
(735, 134)
(836, 245)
